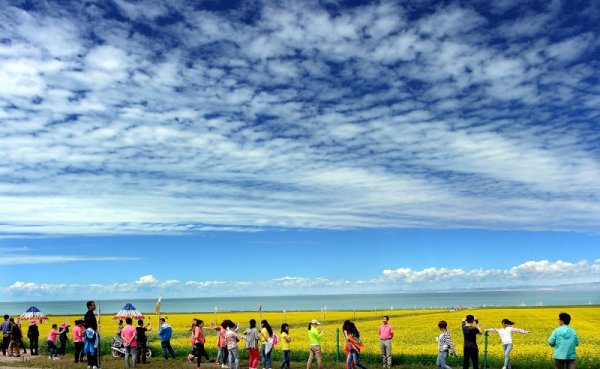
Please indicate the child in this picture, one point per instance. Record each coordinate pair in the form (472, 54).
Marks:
(285, 345)
(444, 345)
(52, 342)
(506, 336)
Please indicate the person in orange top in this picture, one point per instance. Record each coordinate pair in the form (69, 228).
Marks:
(199, 340)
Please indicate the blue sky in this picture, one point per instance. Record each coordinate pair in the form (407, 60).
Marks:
(275, 131)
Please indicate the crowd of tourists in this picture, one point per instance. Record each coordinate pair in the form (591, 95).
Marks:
(259, 342)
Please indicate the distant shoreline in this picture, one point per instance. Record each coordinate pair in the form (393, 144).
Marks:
(343, 302)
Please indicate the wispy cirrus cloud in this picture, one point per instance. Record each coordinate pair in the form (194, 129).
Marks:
(23, 255)
(144, 118)
(55, 259)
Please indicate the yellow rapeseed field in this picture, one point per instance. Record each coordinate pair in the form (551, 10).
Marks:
(415, 330)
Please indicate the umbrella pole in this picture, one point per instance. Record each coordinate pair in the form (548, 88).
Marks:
(99, 338)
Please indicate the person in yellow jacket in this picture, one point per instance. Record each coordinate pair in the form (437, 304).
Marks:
(314, 339)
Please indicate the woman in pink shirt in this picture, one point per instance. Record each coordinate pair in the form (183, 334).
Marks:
(52, 342)
(78, 339)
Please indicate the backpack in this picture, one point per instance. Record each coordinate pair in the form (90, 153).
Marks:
(90, 334)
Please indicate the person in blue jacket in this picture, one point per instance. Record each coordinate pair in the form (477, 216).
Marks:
(564, 340)
(164, 333)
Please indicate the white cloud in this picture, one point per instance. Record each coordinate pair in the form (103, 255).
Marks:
(530, 274)
(381, 115)
(146, 279)
(17, 259)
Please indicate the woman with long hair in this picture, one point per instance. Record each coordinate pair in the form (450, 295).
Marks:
(266, 332)
(354, 345)
(199, 340)
(505, 334)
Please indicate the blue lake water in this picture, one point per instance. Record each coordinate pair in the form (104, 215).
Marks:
(328, 302)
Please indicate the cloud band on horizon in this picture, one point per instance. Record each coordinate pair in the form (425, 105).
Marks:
(531, 274)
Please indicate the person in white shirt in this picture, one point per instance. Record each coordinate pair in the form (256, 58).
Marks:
(505, 334)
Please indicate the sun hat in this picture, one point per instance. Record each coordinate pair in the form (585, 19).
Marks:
(64, 325)
(33, 322)
(314, 321)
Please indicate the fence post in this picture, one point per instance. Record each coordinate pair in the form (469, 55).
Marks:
(337, 345)
(485, 351)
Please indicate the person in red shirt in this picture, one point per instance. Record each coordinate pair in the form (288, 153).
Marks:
(129, 336)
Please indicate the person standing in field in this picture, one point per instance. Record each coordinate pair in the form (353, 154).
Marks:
(22, 343)
(564, 340)
(252, 344)
(445, 346)
(470, 349)
(120, 328)
(142, 340)
(266, 332)
(353, 345)
(506, 336)
(314, 338)
(199, 340)
(33, 333)
(52, 342)
(92, 337)
(15, 339)
(232, 339)
(386, 333)
(221, 343)
(285, 346)
(129, 336)
(5, 326)
(63, 330)
(164, 333)
(78, 339)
